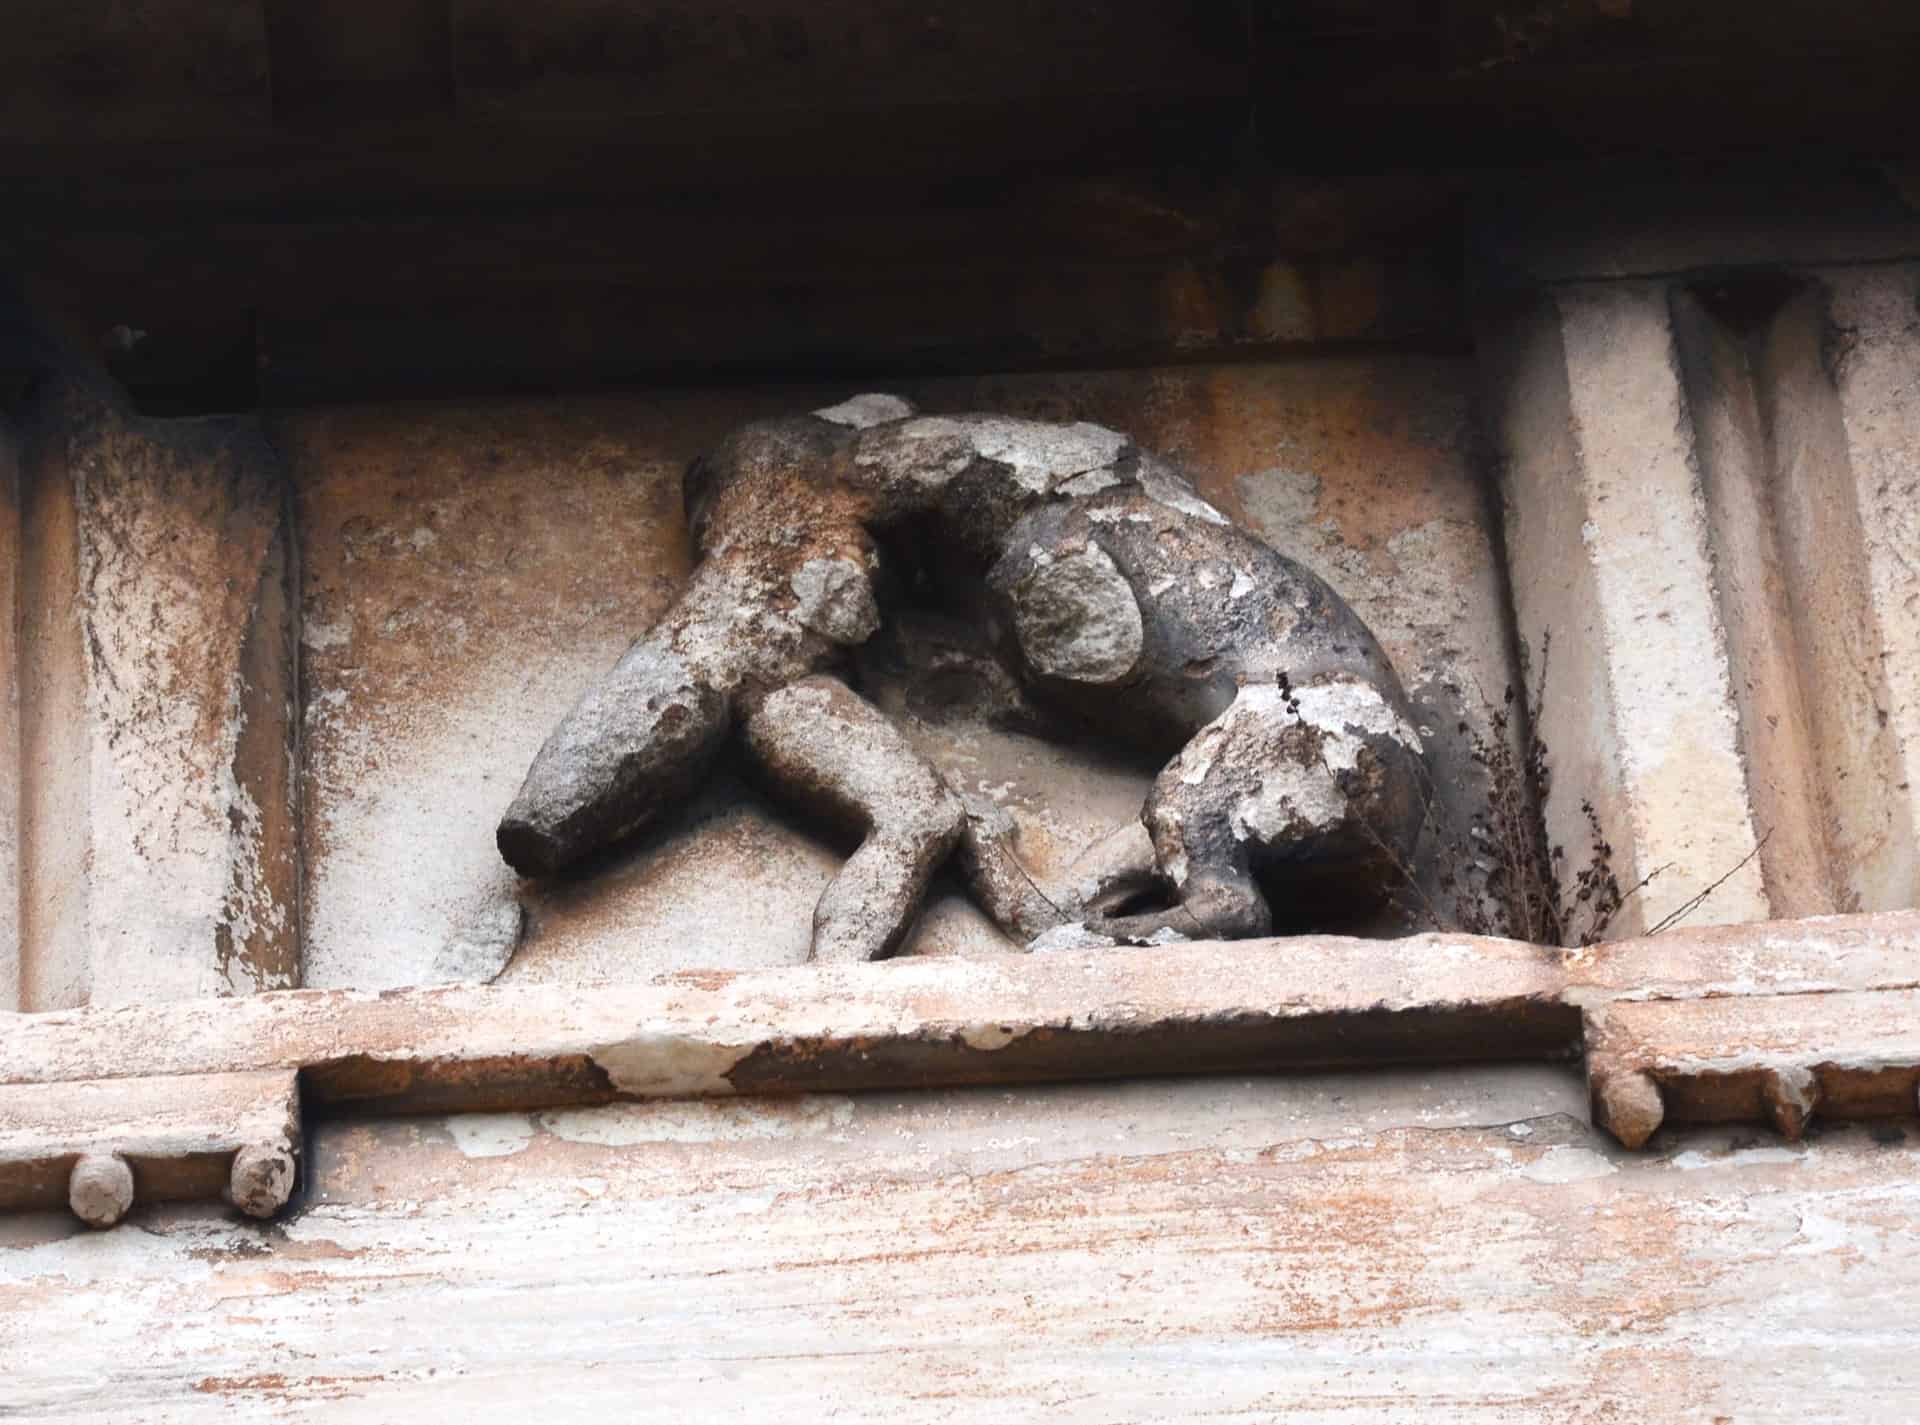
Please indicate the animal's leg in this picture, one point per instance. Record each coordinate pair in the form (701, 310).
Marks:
(1320, 779)
(1201, 838)
(831, 751)
(1210, 871)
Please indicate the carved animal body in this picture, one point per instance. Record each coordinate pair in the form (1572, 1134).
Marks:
(1123, 603)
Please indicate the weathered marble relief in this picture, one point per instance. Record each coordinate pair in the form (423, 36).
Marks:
(464, 571)
(1122, 603)
(468, 569)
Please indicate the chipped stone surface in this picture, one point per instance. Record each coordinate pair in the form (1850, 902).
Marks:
(871, 409)
(666, 1063)
(1339, 1249)
(481, 946)
(835, 600)
(1076, 618)
(1073, 935)
(1042, 459)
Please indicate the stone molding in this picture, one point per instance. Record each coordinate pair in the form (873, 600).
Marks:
(1707, 492)
(1770, 1022)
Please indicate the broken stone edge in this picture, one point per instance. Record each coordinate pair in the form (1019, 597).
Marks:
(1771, 1022)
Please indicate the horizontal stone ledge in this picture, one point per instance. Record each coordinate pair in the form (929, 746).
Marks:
(1809, 955)
(1305, 1002)
(1309, 1002)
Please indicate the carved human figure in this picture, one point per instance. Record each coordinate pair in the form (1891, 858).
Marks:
(1121, 601)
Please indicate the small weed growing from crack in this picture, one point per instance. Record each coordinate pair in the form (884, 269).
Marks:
(1498, 875)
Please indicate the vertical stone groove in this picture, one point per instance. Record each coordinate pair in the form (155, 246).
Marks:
(159, 687)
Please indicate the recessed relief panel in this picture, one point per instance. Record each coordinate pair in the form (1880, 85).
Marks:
(471, 571)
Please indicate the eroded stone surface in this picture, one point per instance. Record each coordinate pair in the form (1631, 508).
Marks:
(1611, 559)
(1872, 344)
(460, 566)
(1333, 1248)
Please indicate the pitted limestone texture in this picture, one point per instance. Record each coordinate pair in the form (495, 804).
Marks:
(1128, 610)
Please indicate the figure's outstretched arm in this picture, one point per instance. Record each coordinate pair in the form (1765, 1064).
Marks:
(830, 751)
(638, 741)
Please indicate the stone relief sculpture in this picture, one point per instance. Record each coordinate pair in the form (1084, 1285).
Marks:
(1122, 605)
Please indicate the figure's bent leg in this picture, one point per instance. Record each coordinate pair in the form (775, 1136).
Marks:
(831, 751)
(999, 881)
